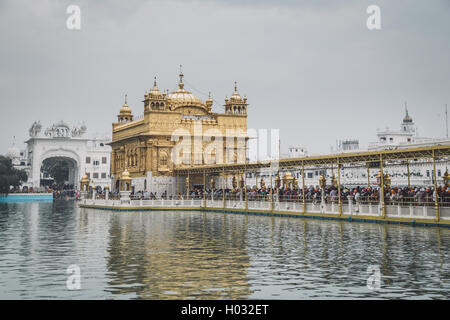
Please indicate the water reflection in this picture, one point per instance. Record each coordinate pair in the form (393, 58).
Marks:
(182, 255)
(166, 255)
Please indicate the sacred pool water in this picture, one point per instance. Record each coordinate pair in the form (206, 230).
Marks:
(178, 255)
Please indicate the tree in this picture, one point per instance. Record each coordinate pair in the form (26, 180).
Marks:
(60, 172)
(9, 176)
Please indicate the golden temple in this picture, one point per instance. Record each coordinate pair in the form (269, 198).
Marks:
(152, 146)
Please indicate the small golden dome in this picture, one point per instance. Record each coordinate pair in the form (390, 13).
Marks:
(125, 110)
(235, 97)
(154, 91)
(85, 178)
(288, 176)
(126, 175)
(407, 118)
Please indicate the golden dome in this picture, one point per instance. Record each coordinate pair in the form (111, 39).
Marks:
(125, 110)
(182, 97)
(288, 176)
(235, 97)
(154, 91)
(85, 178)
(407, 118)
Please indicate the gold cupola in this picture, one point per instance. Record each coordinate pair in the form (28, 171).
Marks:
(236, 104)
(407, 118)
(125, 114)
(155, 100)
(235, 97)
(154, 92)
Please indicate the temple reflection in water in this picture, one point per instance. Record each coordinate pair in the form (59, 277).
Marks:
(154, 256)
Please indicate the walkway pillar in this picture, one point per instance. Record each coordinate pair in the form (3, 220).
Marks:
(409, 176)
(178, 186)
(245, 185)
(187, 185)
(204, 188)
(368, 174)
(339, 188)
(436, 202)
(271, 190)
(383, 207)
(303, 187)
(223, 187)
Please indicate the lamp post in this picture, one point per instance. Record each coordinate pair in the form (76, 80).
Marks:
(334, 181)
(387, 180)
(383, 182)
(379, 179)
(277, 181)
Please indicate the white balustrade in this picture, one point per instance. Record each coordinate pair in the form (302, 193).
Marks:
(357, 209)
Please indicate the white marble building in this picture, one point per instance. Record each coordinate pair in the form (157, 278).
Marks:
(83, 154)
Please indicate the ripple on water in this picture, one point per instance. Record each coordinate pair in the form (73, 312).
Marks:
(179, 255)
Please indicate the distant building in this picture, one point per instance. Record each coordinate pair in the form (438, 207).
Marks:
(18, 157)
(347, 145)
(406, 137)
(297, 152)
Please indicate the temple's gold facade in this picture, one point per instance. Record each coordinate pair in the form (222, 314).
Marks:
(154, 144)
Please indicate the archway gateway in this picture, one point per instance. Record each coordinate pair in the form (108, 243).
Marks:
(62, 171)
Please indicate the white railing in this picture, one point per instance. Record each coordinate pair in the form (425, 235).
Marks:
(353, 209)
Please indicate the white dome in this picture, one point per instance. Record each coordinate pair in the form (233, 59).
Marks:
(13, 152)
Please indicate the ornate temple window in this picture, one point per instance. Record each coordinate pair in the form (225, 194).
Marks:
(163, 157)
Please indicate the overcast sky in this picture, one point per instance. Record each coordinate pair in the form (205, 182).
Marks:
(309, 68)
